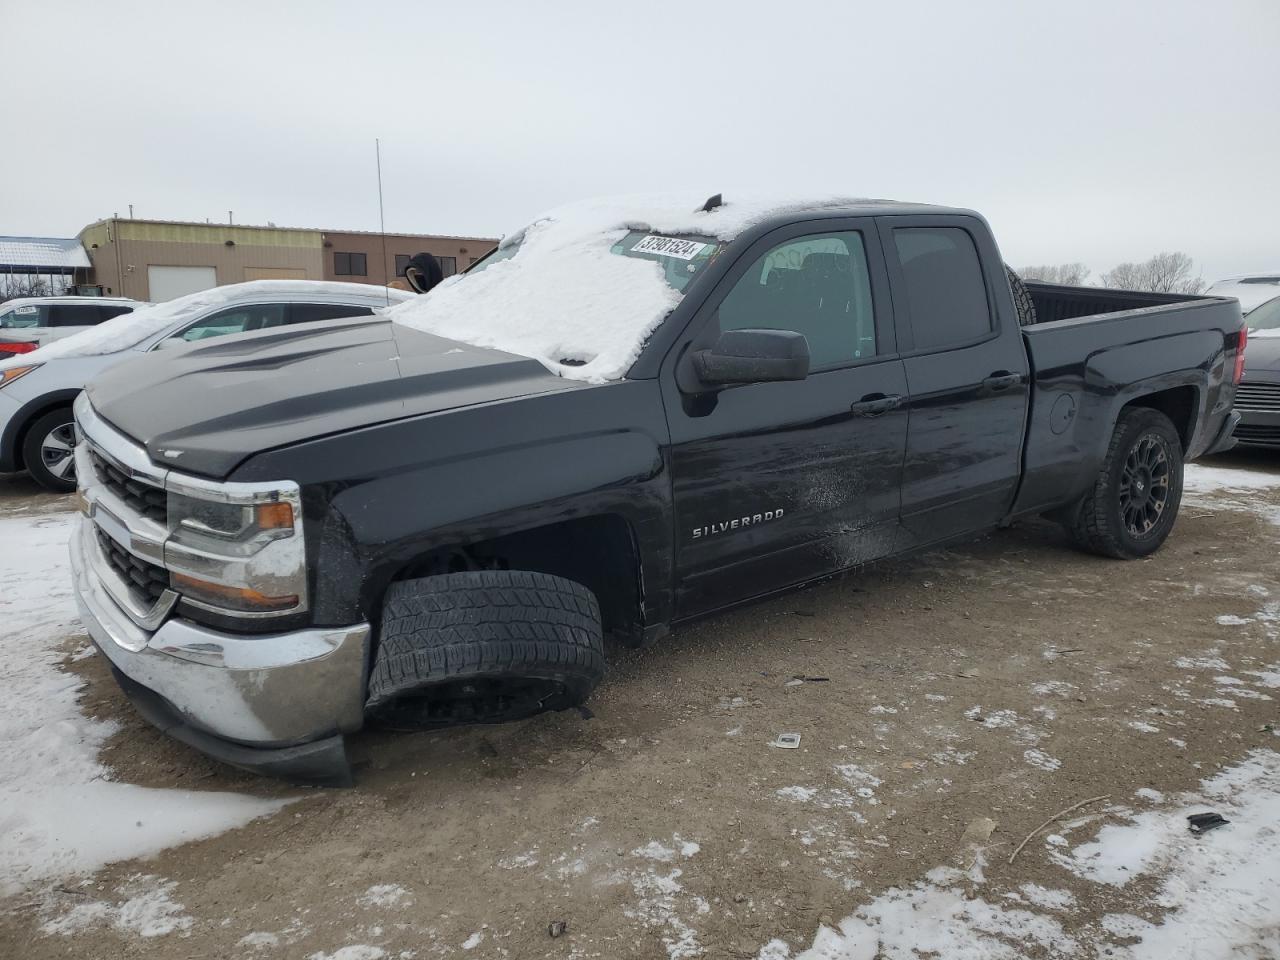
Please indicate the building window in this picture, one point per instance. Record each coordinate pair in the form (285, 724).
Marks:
(448, 265)
(349, 265)
(402, 263)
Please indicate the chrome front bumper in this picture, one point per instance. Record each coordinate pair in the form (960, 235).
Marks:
(253, 700)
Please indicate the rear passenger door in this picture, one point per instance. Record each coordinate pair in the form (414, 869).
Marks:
(966, 372)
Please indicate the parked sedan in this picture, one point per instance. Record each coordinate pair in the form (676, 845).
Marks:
(38, 388)
(28, 323)
(1258, 396)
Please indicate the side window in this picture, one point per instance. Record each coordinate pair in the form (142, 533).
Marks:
(946, 295)
(106, 312)
(234, 320)
(73, 315)
(309, 312)
(26, 315)
(817, 285)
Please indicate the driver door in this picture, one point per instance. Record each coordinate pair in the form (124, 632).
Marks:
(778, 483)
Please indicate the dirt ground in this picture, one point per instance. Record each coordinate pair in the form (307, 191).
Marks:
(1006, 679)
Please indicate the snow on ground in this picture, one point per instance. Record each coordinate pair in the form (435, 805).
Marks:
(1216, 893)
(60, 814)
(1232, 488)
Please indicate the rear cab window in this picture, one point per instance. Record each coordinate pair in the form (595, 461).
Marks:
(946, 294)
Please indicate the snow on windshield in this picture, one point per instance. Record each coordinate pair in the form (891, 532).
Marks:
(130, 329)
(562, 295)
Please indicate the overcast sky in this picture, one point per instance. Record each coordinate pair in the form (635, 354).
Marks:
(1083, 130)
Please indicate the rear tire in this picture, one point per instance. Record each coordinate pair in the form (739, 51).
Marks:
(48, 451)
(484, 646)
(1022, 301)
(1134, 502)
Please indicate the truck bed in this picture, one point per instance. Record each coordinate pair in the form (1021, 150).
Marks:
(1101, 349)
(1055, 302)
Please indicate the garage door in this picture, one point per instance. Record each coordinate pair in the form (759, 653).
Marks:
(275, 273)
(165, 283)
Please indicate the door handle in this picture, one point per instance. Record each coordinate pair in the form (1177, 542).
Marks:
(875, 404)
(1001, 380)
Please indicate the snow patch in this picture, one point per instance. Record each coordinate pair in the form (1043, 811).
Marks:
(60, 813)
(147, 911)
(1038, 758)
(384, 895)
(352, 952)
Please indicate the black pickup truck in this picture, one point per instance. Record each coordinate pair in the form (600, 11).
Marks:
(620, 420)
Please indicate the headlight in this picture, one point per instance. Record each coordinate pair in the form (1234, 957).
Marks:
(10, 374)
(236, 548)
(251, 525)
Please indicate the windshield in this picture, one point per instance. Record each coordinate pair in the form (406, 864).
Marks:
(1264, 317)
(582, 302)
(681, 258)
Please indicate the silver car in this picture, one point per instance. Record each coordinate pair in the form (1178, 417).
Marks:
(38, 388)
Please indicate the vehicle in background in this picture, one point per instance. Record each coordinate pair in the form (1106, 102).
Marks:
(38, 388)
(1258, 396)
(28, 323)
(1251, 290)
(629, 415)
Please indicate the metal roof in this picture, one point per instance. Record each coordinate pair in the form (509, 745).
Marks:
(45, 252)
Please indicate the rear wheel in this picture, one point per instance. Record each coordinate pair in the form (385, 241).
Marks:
(484, 646)
(1134, 501)
(48, 451)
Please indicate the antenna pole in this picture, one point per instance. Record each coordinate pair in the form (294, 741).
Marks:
(382, 221)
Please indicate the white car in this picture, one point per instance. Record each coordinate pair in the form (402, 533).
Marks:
(1252, 291)
(38, 388)
(27, 323)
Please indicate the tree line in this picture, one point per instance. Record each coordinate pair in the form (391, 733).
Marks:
(1163, 273)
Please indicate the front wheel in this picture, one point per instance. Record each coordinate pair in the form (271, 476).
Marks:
(484, 646)
(49, 451)
(1134, 502)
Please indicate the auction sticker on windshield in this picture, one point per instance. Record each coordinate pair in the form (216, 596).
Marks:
(669, 247)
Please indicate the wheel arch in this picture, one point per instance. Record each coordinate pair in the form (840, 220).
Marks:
(601, 551)
(1180, 404)
(15, 433)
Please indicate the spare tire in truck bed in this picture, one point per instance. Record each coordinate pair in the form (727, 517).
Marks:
(484, 646)
(1021, 299)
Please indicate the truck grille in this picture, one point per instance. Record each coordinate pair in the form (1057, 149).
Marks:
(147, 500)
(1261, 397)
(146, 578)
(1257, 433)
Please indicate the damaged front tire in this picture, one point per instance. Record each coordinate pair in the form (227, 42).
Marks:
(484, 646)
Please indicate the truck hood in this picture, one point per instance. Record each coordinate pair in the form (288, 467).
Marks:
(205, 408)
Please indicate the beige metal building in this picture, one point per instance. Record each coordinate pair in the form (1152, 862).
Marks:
(160, 259)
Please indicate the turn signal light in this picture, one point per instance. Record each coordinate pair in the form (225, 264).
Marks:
(274, 516)
(232, 598)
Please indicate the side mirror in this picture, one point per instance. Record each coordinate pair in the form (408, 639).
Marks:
(754, 356)
(423, 272)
